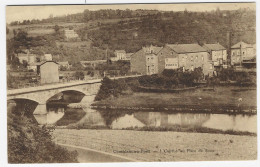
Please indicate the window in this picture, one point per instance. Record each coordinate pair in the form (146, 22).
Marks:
(202, 58)
(161, 53)
(196, 57)
(172, 53)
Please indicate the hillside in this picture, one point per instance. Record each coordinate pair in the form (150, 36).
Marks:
(130, 30)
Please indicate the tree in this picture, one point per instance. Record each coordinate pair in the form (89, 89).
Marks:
(56, 28)
(30, 143)
(25, 63)
(79, 75)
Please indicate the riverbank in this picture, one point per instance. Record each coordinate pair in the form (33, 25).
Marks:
(162, 146)
(221, 100)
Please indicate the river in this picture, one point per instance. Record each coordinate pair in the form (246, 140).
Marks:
(87, 117)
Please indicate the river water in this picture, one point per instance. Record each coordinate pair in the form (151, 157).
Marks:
(131, 119)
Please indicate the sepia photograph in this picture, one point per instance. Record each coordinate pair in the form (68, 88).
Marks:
(164, 82)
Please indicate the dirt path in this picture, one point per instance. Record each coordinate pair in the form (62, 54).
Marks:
(162, 146)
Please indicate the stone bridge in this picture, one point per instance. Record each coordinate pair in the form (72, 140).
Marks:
(42, 94)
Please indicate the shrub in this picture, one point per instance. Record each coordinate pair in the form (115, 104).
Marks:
(30, 143)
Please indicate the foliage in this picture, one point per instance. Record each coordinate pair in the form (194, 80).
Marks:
(79, 75)
(30, 143)
(111, 88)
(230, 74)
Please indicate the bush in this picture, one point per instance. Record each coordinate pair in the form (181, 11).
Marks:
(30, 143)
(79, 75)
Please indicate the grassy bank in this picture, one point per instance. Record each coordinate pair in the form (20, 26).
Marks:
(175, 128)
(222, 100)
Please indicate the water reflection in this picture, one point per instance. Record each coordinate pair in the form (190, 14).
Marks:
(125, 119)
(53, 115)
(126, 122)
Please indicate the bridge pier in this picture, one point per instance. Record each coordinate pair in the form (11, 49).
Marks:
(41, 109)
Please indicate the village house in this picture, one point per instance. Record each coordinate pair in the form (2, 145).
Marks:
(64, 64)
(27, 57)
(241, 52)
(119, 55)
(70, 34)
(46, 57)
(128, 56)
(152, 60)
(49, 72)
(93, 63)
(33, 66)
(218, 55)
(185, 56)
(145, 61)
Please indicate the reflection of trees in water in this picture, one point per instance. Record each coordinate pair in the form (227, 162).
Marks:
(92, 119)
(71, 116)
(23, 107)
(150, 118)
(111, 115)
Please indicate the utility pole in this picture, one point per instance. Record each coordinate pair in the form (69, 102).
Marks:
(241, 54)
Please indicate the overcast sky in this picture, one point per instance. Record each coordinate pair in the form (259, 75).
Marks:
(19, 13)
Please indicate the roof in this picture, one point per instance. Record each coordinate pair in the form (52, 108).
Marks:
(129, 54)
(93, 61)
(63, 62)
(120, 51)
(242, 45)
(41, 63)
(215, 46)
(186, 48)
(157, 49)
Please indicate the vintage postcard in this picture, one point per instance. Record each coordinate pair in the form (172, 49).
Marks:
(131, 83)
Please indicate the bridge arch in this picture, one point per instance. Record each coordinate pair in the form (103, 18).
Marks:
(71, 95)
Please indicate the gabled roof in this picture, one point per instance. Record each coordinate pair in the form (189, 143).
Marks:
(157, 49)
(47, 62)
(186, 48)
(214, 47)
(242, 45)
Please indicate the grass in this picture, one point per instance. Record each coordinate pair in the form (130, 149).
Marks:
(222, 99)
(178, 128)
(175, 128)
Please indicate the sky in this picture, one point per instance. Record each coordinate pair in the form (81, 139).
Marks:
(20, 13)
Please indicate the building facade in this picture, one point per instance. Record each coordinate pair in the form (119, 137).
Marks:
(29, 58)
(145, 61)
(70, 34)
(241, 52)
(218, 54)
(92, 63)
(120, 54)
(49, 72)
(185, 56)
